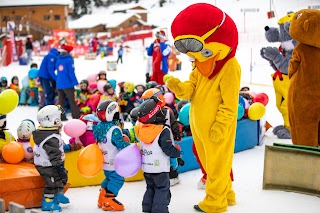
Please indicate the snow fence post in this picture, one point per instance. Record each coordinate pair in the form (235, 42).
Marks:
(16, 208)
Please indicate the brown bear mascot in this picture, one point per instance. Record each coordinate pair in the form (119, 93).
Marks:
(304, 74)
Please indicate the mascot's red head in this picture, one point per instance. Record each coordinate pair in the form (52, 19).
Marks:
(206, 34)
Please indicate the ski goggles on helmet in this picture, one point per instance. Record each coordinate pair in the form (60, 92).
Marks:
(193, 43)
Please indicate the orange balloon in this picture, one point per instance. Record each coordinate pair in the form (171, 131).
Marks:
(90, 161)
(13, 152)
(31, 141)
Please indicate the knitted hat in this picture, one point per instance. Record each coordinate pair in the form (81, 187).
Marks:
(67, 48)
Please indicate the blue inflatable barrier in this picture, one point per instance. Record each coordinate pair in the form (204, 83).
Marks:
(247, 137)
(190, 162)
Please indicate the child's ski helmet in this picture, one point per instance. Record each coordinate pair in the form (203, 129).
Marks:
(108, 111)
(25, 129)
(50, 116)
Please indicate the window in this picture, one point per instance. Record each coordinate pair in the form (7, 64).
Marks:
(56, 17)
(6, 18)
(46, 17)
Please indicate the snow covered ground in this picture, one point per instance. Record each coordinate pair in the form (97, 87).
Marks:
(248, 165)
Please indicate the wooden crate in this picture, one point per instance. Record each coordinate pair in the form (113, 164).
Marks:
(292, 168)
(90, 56)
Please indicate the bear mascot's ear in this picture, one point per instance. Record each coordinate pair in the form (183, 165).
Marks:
(306, 25)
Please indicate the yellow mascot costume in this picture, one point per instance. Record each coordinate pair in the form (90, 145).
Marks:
(210, 37)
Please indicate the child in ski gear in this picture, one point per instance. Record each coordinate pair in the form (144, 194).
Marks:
(15, 84)
(49, 157)
(157, 148)
(24, 133)
(110, 140)
(109, 93)
(87, 138)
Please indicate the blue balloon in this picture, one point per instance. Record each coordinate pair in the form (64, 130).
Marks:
(240, 111)
(25, 82)
(184, 115)
(242, 102)
(33, 73)
(113, 83)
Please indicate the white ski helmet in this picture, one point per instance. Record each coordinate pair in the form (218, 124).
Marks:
(50, 116)
(25, 129)
(108, 111)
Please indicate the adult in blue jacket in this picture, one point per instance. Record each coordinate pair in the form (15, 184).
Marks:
(48, 77)
(66, 80)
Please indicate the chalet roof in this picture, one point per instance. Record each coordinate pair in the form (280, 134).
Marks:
(93, 20)
(21, 3)
(124, 8)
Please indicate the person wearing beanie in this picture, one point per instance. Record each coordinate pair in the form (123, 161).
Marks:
(159, 50)
(66, 80)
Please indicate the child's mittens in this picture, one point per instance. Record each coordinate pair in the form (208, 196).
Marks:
(174, 163)
(66, 148)
(85, 110)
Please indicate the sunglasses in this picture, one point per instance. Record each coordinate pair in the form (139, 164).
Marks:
(192, 43)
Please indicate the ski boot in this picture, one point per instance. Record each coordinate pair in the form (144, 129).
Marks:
(196, 207)
(101, 196)
(60, 198)
(110, 203)
(50, 205)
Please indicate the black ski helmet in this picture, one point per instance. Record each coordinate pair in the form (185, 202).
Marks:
(107, 86)
(181, 104)
(149, 111)
(84, 81)
(134, 114)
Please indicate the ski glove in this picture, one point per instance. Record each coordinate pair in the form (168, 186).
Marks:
(217, 132)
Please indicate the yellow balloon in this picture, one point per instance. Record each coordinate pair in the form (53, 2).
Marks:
(9, 100)
(31, 141)
(166, 77)
(90, 161)
(256, 111)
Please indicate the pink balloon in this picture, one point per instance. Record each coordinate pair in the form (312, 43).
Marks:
(168, 97)
(92, 78)
(128, 161)
(100, 86)
(75, 128)
(262, 98)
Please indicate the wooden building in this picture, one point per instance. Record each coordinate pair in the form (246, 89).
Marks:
(34, 17)
(118, 20)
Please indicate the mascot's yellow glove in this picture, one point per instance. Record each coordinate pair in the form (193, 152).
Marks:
(175, 85)
(218, 132)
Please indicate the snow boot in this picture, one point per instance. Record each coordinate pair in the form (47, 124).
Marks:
(61, 198)
(50, 205)
(110, 203)
(101, 196)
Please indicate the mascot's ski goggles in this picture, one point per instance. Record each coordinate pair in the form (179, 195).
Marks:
(193, 43)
